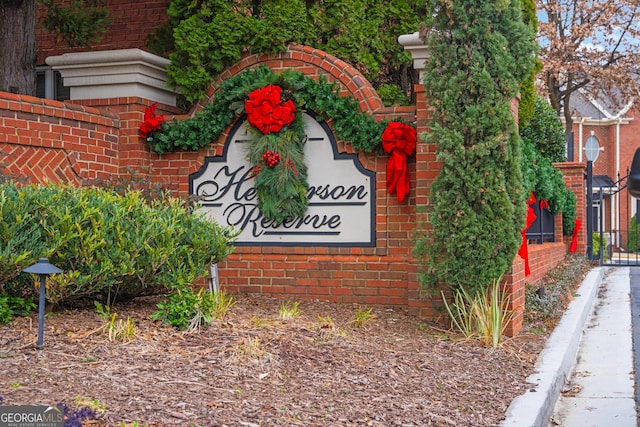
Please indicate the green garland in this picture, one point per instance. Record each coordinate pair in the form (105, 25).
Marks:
(281, 184)
(349, 123)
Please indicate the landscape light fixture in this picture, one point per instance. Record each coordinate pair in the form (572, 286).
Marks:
(592, 150)
(43, 269)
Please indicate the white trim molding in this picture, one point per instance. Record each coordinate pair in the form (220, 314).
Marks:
(114, 74)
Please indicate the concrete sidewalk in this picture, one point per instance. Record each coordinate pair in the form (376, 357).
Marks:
(589, 355)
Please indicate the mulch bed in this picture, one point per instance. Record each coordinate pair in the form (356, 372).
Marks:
(254, 369)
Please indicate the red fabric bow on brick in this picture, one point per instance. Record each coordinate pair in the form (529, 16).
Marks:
(524, 246)
(266, 111)
(151, 122)
(400, 140)
(574, 238)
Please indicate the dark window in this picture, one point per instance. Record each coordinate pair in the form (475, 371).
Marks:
(50, 85)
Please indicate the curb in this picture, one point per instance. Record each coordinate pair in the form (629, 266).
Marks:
(555, 362)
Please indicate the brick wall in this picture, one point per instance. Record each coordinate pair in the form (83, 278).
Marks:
(99, 138)
(131, 24)
(50, 141)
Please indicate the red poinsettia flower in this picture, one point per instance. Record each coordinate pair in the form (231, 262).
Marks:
(266, 111)
(151, 122)
(400, 140)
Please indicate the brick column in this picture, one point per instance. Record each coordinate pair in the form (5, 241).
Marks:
(574, 173)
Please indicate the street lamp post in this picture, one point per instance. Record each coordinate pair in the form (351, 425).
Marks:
(591, 150)
(43, 269)
(590, 210)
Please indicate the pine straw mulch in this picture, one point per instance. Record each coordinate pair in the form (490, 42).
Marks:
(254, 369)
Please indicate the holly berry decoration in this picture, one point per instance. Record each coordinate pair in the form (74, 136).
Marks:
(271, 158)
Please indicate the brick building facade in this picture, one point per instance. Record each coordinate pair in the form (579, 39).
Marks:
(616, 134)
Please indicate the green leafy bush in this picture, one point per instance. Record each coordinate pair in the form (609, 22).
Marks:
(11, 306)
(545, 131)
(109, 246)
(204, 37)
(632, 240)
(392, 95)
(547, 183)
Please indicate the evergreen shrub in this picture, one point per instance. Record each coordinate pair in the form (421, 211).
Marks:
(543, 143)
(632, 240)
(480, 54)
(109, 246)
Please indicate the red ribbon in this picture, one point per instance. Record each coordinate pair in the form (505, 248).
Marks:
(574, 239)
(400, 140)
(524, 246)
(544, 204)
(266, 111)
(151, 122)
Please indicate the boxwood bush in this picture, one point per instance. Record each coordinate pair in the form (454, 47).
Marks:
(110, 246)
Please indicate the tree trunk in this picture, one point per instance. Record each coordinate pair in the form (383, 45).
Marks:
(18, 46)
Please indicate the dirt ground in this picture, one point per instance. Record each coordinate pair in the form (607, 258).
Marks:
(255, 369)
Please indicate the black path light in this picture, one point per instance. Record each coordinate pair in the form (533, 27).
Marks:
(43, 269)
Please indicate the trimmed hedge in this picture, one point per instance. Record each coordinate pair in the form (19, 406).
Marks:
(109, 246)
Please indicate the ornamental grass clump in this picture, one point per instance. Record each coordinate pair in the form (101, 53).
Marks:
(483, 315)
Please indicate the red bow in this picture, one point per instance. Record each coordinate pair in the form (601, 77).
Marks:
(266, 111)
(524, 246)
(400, 140)
(574, 239)
(151, 122)
(544, 204)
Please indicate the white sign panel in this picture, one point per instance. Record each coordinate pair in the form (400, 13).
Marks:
(341, 195)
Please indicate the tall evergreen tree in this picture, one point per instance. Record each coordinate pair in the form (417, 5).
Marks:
(480, 53)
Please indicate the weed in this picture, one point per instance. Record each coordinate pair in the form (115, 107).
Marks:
(92, 404)
(223, 304)
(362, 317)
(258, 322)
(250, 348)
(104, 311)
(121, 330)
(117, 330)
(89, 359)
(289, 312)
(327, 329)
(188, 310)
(325, 322)
(239, 391)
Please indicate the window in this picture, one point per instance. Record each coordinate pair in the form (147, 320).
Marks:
(592, 148)
(49, 85)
